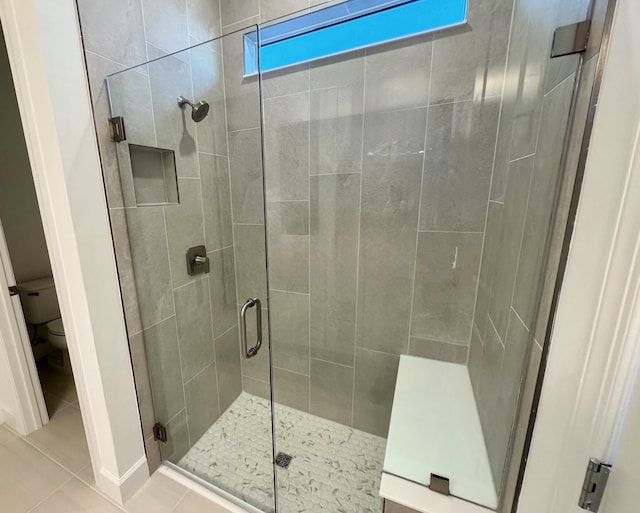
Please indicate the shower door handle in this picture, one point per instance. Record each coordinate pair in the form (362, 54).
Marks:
(244, 349)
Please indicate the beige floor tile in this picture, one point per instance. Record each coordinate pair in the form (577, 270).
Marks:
(26, 476)
(76, 497)
(54, 403)
(64, 440)
(194, 503)
(58, 384)
(161, 494)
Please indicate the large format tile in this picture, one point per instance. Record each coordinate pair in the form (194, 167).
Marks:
(375, 384)
(151, 263)
(208, 85)
(114, 30)
(335, 202)
(541, 200)
(63, 439)
(203, 407)
(290, 330)
(442, 351)
(393, 146)
(165, 23)
(457, 169)
(165, 372)
(250, 262)
(291, 389)
(506, 262)
(468, 61)
(445, 286)
(204, 19)
(272, 9)
(286, 151)
(245, 163)
(331, 391)
(228, 367)
(194, 503)
(222, 286)
(289, 80)
(160, 494)
(170, 77)
(216, 201)
(177, 443)
(76, 497)
(398, 75)
(142, 379)
(233, 11)
(193, 314)
(26, 476)
(288, 238)
(185, 229)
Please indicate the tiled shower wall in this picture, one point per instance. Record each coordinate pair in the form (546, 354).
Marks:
(535, 109)
(378, 169)
(186, 325)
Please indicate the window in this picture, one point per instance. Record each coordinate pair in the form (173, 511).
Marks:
(347, 26)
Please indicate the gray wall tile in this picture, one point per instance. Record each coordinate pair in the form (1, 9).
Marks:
(204, 19)
(272, 9)
(506, 262)
(257, 368)
(291, 389)
(442, 351)
(216, 198)
(228, 367)
(202, 402)
(250, 262)
(445, 283)
(335, 202)
(177, 443)
(150, 263)
(222, 286)
(286, 151)
(290, 330)
(233, 11)
(245, 161)
(331, 393)
(255, 387)
(185, 229)
(165, 23)
(457, 169)
(143, 384)
(163, 356)
(388, 224)
(375, 384)
(193, 314)
(281, 82)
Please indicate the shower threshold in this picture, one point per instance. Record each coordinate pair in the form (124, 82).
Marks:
(335, 469)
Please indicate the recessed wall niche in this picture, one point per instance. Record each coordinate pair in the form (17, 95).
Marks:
(154, 175)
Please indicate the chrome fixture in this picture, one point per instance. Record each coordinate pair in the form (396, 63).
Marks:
(244, 350)
(199, 110)
(197, 260)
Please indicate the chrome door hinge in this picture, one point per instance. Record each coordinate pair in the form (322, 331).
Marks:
(13, 291)
(160, 432)
(117, 129)
(595, 482)
(571, 39)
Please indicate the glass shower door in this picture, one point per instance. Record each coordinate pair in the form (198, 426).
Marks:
(190, 160)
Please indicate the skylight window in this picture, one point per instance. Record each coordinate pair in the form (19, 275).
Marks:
(347, 26)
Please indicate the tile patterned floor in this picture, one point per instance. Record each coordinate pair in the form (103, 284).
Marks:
(335, 469)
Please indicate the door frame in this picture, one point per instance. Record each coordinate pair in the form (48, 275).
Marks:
(17, 350)
(593, 356)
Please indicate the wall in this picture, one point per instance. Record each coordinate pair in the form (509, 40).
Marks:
(19, 209)
(181, 328)
(378, 168)
(534, 111)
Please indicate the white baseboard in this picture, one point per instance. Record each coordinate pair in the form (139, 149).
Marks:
(121, 489)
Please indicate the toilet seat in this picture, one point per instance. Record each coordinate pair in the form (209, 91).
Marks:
(56, 327)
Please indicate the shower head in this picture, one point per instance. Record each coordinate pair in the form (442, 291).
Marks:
(199, 110)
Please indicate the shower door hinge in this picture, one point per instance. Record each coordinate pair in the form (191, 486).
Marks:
(160, 433)
(13, 291)
(571, 39)
(117, 129)
(595, 482)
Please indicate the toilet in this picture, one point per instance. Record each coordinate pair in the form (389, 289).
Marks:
(40, 307)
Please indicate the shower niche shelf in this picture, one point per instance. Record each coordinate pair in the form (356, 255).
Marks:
(154, 175)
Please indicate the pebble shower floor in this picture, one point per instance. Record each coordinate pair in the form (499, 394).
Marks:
(335, 469)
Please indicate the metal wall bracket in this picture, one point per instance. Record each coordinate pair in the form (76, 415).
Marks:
(570, 39)
(160, 433)
(595, 482)
(116, 125)
(439, 484)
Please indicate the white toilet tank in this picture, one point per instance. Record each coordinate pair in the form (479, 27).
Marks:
(39, 301)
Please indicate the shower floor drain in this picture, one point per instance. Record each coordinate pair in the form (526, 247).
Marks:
(283, 460)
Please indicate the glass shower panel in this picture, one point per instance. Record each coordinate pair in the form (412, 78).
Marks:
(191, 175)
(409, 193)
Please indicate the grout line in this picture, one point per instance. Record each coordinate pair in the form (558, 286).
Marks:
(219, 249)
(297, 373)
(450, 231)
(241, 129)
(515, 312)
(309, 227)
(153, 325)
(213, 154)
(333, 363)
(336, 174)
(355, 324)
(290, 291)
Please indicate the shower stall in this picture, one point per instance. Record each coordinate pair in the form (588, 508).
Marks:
(299, 234)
